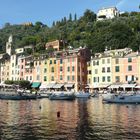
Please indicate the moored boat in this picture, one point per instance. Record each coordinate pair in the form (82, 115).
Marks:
(122, 98)
(62, 96)
(82, 94)
(17, 97)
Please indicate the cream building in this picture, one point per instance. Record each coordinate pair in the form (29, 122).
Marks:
(107, 13)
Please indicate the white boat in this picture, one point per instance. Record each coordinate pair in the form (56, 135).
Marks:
(62, 95)
(82, 94)
(122, 98)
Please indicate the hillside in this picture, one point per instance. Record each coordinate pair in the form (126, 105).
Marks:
(115, 34)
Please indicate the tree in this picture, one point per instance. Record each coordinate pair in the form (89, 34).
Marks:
(70, 17)
(75, 17)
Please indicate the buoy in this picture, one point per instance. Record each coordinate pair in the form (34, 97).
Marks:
(58, 114)
(127, 106)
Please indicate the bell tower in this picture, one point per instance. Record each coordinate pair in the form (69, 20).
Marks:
(9, 45)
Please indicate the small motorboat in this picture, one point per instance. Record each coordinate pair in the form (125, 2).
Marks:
(82, 94)
(122, 98)
(62, 96)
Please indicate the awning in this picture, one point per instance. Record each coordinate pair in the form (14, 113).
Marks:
(101, 86)
(43, 86)
(138, 86)
(114, 86)
(70, 85)
(58, 85)
(50, 85)
(35, 84)
(128, 85)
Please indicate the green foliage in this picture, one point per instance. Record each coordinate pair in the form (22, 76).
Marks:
(120, 32)
(22, 83)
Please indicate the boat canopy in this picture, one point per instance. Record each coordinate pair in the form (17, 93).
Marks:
(35, 84)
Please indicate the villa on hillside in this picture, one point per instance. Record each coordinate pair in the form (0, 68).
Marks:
(107, 13)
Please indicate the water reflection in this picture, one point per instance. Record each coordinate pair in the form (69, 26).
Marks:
(79, 120)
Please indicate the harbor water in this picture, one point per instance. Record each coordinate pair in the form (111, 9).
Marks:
(77, 120)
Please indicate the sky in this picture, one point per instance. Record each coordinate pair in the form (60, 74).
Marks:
(47, 11)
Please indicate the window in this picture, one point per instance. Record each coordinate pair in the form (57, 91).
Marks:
(108, 61)
(45, 78)
(126, 78)
(88, 64)
(89, 81)
(108, 69)
(68, 78)
(89, 72)
(39, 62)
(12, 72)
(37, 77)
(12, 64)
(72, 68)
(96, 71)
(45, 70)
(129, 68)
(72, 59)
(61, 61)
(21, 66)
(30, 77)
(61, 68)
(93, 63)
(73, 78)
(117, 69)
(103, 70)
(103, 61)
(68, 68)
(22, 60)
(97, 62)
(54, 61)
(61, 78)
(27, 78)
(95, 79)
(129, 59)
(103, 79)
(45, 62)
(108, 79)
(50, 61)
(117, 61)
(52, 78)
(52, 69)
(117, 78)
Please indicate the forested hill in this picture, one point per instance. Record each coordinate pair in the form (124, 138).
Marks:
(120, 32)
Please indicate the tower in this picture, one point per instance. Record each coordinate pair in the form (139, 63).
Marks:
(9, 45)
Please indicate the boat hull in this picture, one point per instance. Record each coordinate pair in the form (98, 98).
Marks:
(18, 97)
(123, 99)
